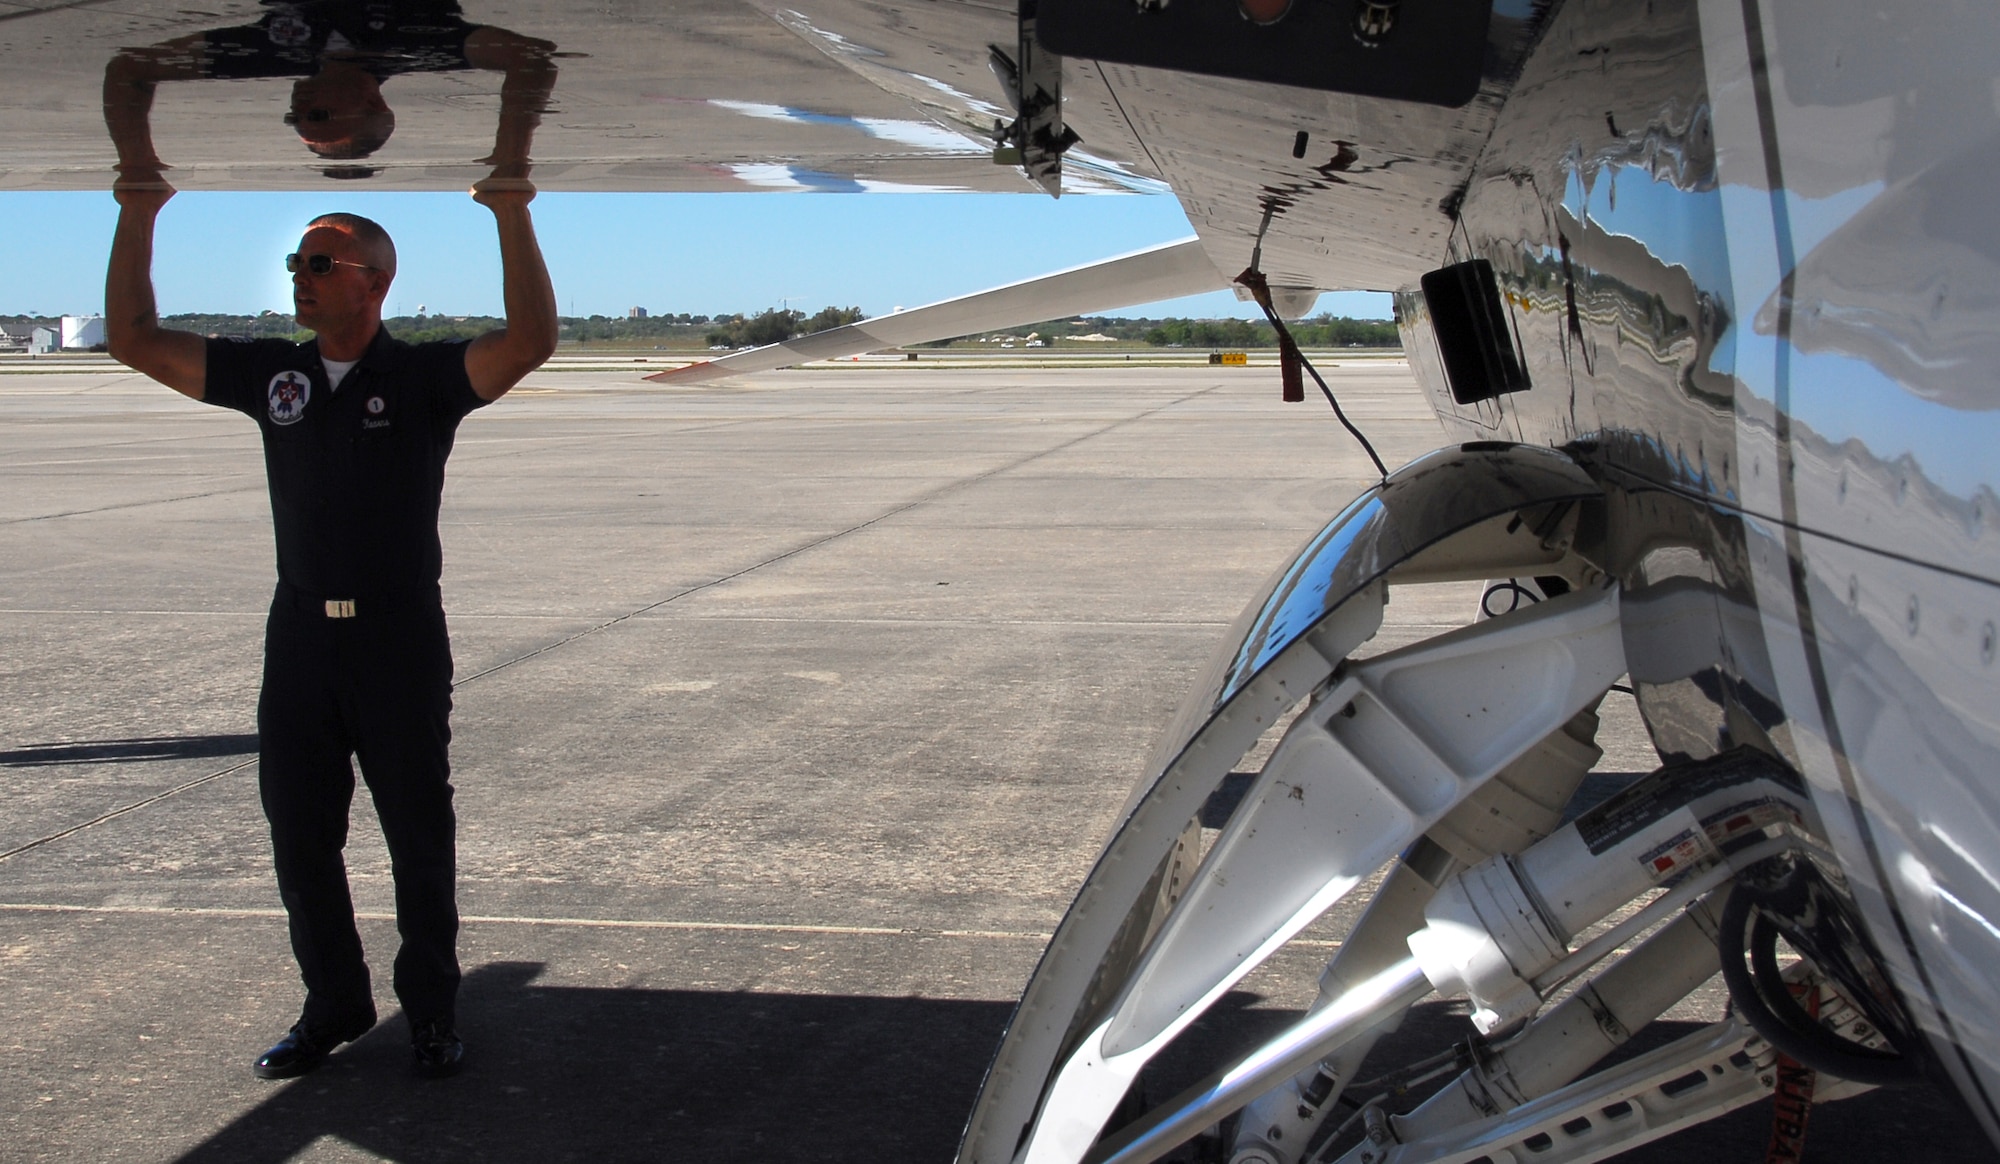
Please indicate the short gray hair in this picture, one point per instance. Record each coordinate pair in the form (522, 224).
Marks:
(366, 231)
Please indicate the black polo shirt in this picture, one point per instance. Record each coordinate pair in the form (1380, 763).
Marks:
(356, 475)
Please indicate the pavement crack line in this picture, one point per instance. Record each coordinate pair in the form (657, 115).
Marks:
(60, 7)
(795, 551)
(118, 812)
(942, 491)
(129, 505)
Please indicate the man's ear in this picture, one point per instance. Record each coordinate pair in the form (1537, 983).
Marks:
(379, 286)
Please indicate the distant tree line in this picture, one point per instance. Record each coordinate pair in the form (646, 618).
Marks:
(1320, 331)
(685, 328)
(268, 325)
(773, 325)
(1330, 331)
(1211, 333)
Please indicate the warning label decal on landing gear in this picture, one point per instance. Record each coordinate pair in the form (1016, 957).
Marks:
(1624, 815)
(1684, 850)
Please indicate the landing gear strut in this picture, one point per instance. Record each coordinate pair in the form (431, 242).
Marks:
(1445, 767)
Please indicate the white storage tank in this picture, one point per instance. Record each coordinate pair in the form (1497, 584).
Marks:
(82, 331)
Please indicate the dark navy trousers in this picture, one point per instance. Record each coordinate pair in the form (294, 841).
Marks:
(374, 687)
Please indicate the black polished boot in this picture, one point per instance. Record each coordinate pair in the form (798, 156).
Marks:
(307, 1045)
(436, 1051)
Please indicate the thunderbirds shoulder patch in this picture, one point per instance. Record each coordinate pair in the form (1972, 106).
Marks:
(287, 394)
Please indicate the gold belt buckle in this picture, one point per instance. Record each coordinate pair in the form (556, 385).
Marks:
(340, 608)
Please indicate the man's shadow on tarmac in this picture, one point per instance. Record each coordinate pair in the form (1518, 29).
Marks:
(560, 1073)
(574, 1073)
(566, 1073)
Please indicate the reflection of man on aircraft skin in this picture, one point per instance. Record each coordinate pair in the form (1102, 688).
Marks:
(357, 427)
(342, 52)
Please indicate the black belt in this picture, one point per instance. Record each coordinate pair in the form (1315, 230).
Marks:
(308, 602)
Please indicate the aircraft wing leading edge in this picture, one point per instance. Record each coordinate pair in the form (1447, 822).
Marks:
(1168, 271)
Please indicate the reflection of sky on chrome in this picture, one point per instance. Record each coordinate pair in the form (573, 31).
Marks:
(1838, 397)
(921, 135)
(873, 64)
(764, 176)
(1086, 173)
(1682, 228)
(1688, 229)
(1813, 220)
(1083, 172)
(1843, 398)
(1301, 596)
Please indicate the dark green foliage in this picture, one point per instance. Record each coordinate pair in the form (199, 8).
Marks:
(1321, 331)
(1326, 331)
(766, 327)
(832, 317)
(269, 325)
(680, 330)
(1211, 333)
(776, 325)
(424, 329)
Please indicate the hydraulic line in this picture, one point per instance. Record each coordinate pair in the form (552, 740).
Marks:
(1759, 991)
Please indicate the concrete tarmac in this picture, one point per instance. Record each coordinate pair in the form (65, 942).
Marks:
(790, 714)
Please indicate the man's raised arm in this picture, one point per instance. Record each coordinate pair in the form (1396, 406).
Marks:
(132, 330)
(497, 360)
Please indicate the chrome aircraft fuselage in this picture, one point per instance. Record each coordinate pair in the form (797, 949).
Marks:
(1741, 284)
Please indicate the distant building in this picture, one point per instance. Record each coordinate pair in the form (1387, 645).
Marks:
(636, 313)
(33, 338)
(82, 332)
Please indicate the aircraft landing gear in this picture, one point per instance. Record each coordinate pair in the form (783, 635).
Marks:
(1446, 766)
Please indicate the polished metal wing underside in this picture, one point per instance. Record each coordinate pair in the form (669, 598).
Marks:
(723, 96)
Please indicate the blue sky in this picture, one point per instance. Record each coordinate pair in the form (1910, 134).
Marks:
(698, 253)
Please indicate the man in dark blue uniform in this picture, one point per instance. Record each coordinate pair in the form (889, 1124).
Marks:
(356, 428)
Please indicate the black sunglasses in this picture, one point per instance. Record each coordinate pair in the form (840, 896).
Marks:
(319, 264)
(293, 118)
